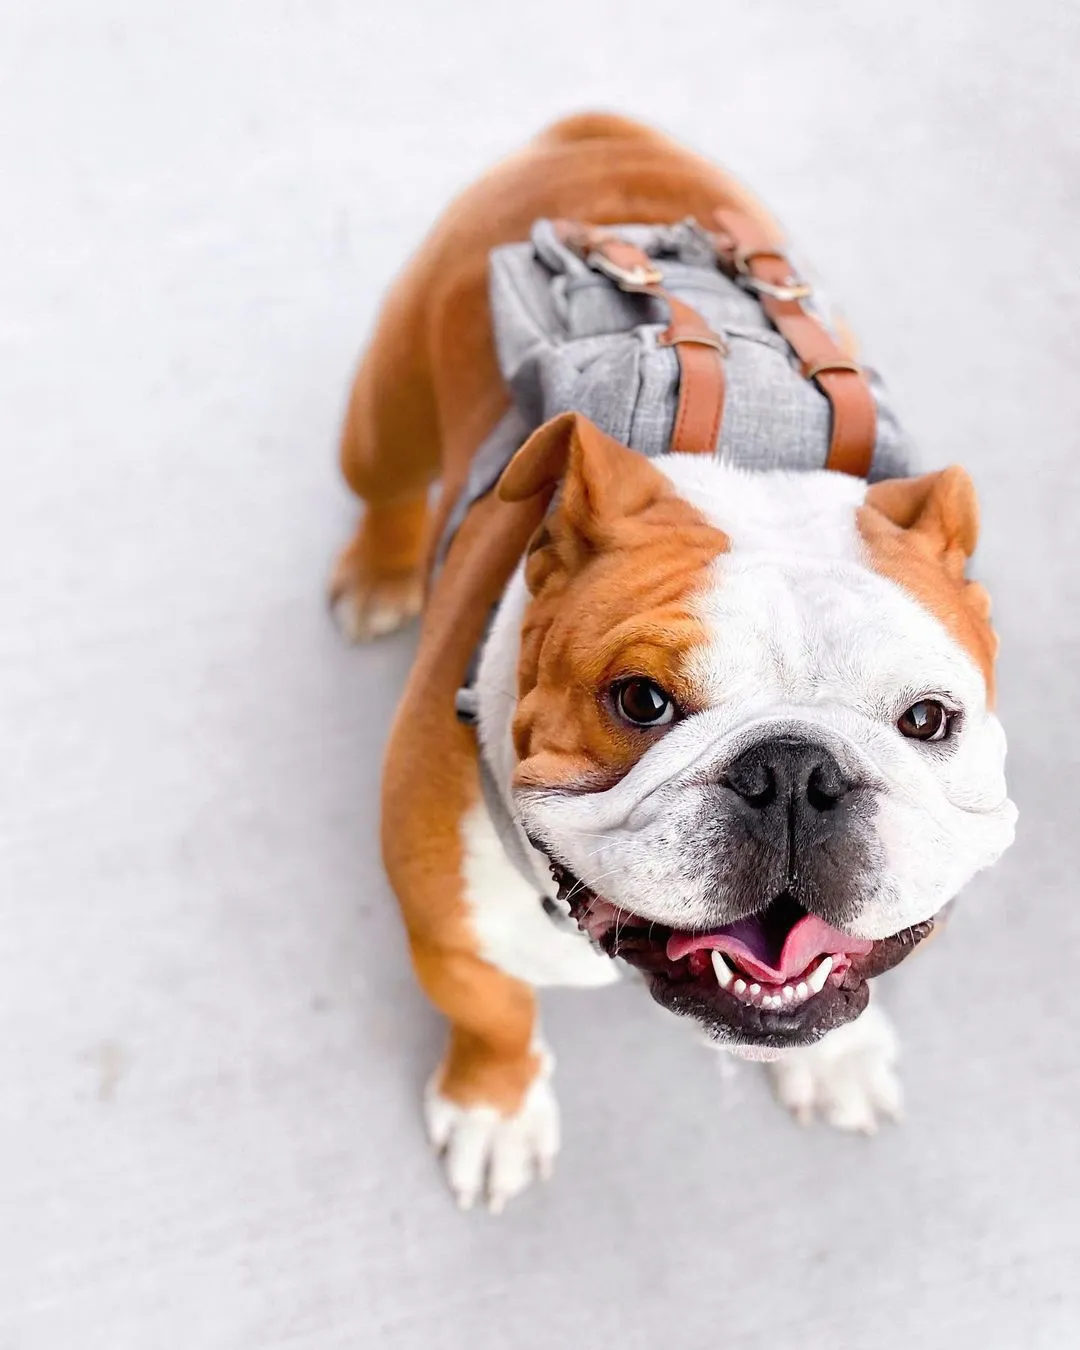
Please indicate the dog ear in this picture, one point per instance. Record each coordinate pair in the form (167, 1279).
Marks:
(541, 462)
(600, 482)
(940, 512)
(921, 532)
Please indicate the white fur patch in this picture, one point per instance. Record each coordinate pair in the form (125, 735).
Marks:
(514, 931)
(848, 1077)
(792, 514)
(490, 1156)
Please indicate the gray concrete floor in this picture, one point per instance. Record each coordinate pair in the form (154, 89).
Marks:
(211, 1047)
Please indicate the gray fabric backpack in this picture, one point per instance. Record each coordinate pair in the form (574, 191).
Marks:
(568, 339)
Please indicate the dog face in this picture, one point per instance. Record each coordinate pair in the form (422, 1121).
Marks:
(755, 730)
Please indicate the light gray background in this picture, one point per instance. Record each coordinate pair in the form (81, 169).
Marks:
(211, 1047)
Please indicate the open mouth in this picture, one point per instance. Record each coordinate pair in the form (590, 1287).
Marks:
(777, 978)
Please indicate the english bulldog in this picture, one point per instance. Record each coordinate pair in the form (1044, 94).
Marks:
(731, 732)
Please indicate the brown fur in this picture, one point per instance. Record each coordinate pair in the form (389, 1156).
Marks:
(430, 781)
(609, 580)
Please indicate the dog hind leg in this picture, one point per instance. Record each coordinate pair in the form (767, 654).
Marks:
(390, 458)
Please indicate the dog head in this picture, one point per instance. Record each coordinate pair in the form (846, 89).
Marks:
(754, 730)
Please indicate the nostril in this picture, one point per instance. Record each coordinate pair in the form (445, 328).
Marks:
(764, 789)
(825, 785)
(754, 781)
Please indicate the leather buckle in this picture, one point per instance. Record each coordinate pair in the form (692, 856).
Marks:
(791, 289)
(635, 278)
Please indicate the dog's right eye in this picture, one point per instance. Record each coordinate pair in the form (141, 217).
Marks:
(643, 703)
(927, 720)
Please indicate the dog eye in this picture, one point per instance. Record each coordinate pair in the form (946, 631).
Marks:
(643, 703)
(927, 720)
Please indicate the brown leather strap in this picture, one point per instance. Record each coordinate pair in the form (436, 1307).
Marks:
(758, 261)
(699, 350)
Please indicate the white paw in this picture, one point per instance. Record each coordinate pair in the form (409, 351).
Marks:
(848, 1078)
(490, 1156)
(363, 613)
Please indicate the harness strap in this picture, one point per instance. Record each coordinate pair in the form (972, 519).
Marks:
(698, 349)
(760, 265)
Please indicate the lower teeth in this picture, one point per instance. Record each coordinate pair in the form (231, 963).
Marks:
(784, 996)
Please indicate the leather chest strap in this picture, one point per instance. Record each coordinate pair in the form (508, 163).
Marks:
(748, 250)
(699, 350)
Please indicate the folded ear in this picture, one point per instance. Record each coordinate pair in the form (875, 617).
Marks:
(940, 510)
(920, 532)
(542, 460)
(601, 482)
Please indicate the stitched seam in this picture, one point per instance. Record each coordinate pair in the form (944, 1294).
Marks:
(718, 403)
(685, 394)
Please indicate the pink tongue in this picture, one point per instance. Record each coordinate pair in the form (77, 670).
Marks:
(748, 943)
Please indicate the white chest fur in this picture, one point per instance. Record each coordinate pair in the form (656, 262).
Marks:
(509, 920)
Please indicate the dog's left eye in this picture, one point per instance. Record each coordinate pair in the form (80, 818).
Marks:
(643, 703)
(927, 720)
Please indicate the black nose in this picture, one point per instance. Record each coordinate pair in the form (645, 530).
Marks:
(788, 772)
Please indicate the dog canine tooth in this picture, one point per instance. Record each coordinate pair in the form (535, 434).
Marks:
(724, 973)
(817, 977)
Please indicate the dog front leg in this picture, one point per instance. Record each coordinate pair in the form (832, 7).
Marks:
(489, 1108)
(848, 1077)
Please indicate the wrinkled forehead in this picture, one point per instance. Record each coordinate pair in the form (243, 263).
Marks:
(797, 608)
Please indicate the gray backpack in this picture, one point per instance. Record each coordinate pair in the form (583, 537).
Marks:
(568, 339)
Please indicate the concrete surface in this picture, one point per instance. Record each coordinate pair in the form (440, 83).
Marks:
(211, 1047)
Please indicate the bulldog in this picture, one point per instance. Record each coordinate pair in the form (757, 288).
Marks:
(729, 730)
